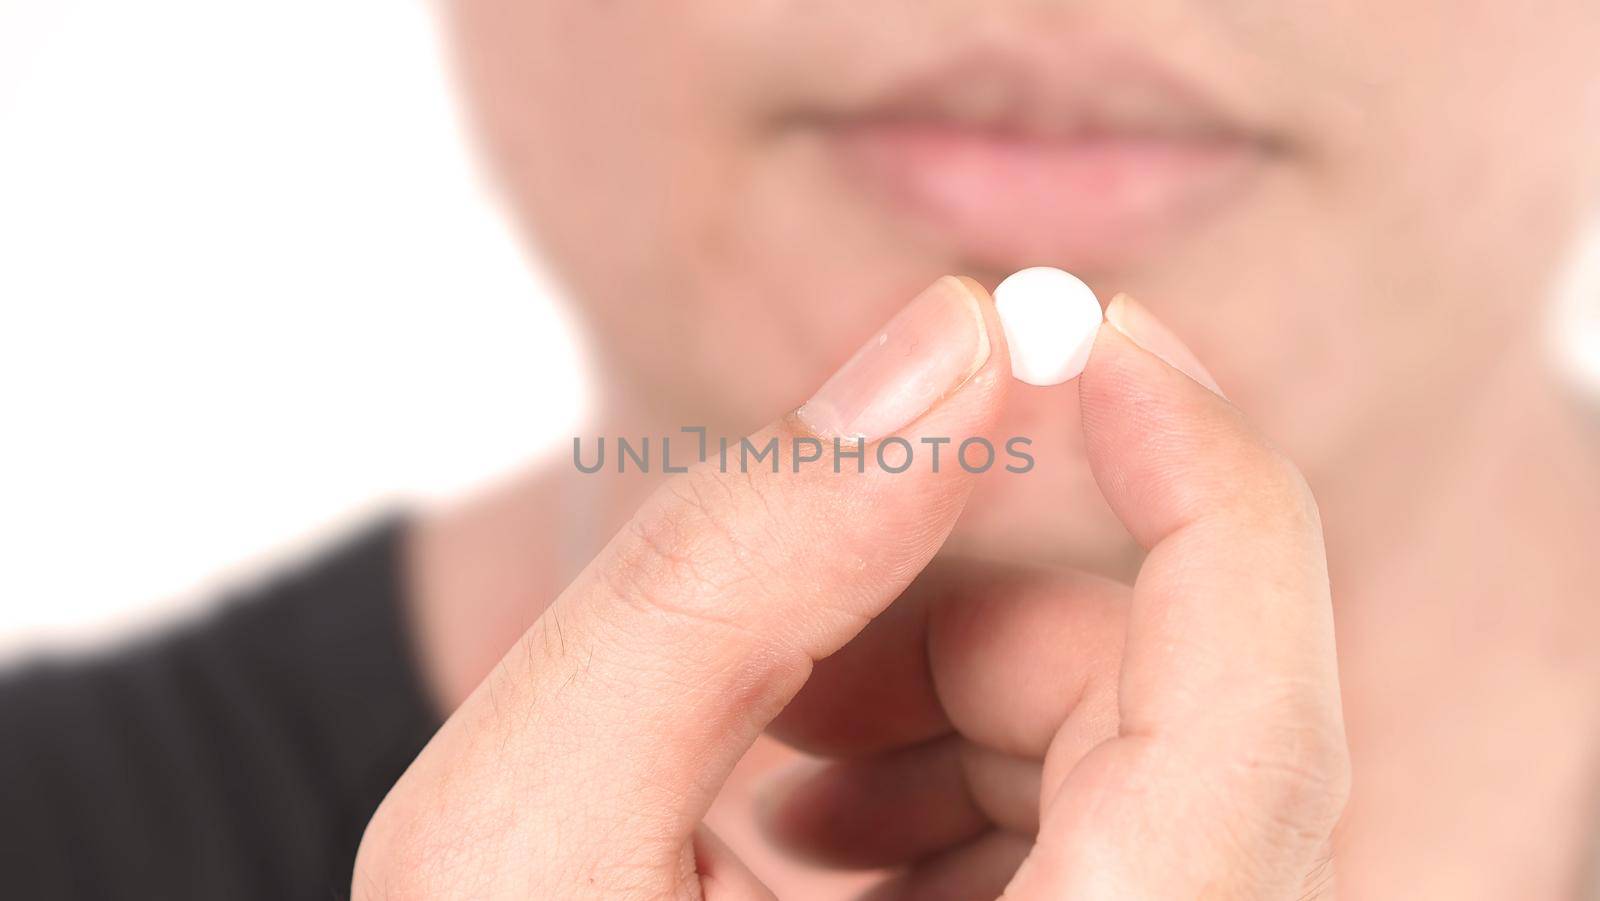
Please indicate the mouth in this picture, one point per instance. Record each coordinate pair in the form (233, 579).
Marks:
(1086, 164)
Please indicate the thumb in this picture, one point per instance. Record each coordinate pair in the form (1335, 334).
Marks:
(652, 673)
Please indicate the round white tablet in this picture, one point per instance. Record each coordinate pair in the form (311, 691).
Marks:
(1050, 319)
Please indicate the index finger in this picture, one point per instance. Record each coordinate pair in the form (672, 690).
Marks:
(1230, 768)
(605, 734)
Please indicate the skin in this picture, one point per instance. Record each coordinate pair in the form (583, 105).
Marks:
(1369, 301)
(586, 761)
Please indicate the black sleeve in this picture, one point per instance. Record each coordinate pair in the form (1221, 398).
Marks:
(237, 758)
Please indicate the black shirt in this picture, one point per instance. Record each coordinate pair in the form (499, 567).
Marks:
(236, 758)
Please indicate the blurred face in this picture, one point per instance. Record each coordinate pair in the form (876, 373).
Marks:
(1346, 208)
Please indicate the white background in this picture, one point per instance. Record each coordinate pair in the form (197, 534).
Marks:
(251, 290)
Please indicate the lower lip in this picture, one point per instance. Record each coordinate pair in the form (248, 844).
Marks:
(1081, 202)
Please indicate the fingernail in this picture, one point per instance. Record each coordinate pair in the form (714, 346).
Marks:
(925, 352)
(1134, 320)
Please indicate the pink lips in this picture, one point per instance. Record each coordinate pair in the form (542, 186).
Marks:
(1083, 166)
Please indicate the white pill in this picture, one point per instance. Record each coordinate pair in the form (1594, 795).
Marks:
(1050, 319)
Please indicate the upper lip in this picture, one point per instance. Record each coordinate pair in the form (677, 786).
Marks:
(1078, 92)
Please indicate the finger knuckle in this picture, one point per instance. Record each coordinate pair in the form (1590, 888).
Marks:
(400, 857)
(704, 538)
(1301, 765)
(1281, 496)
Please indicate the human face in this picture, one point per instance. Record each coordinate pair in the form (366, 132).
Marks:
(1342, 207)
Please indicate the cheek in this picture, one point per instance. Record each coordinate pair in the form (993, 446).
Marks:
(710, 257)
(1482, 118)
(603, 123)
(578, 105)
(595, 120)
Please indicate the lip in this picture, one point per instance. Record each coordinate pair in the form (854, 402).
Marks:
(1087, 161)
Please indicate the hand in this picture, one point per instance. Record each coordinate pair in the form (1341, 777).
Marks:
(583, 764)
(986, 692)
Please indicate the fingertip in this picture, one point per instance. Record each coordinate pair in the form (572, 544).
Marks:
(1135, 321)
(1158, 442)
(975, 288)
(998, 361)
(1123, 380)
